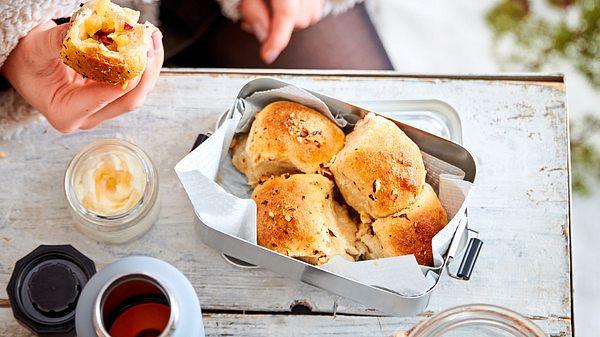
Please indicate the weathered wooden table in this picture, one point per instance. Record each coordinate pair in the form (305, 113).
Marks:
(515, 126)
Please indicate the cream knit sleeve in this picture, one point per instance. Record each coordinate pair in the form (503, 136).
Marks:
(335, 7)
(230, 8)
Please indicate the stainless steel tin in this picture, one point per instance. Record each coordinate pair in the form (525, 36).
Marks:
(384, 300)
(434, 116)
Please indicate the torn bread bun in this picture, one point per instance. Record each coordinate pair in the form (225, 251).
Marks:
(105, 43)
(297, 216)
(287, 137)
(380, 170)
(407, 232)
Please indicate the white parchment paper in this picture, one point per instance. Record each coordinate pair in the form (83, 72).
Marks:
(221, 196)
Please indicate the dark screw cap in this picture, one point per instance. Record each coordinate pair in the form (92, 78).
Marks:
(45, 286)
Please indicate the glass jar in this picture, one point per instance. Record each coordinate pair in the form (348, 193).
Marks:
(111, 187)
(483, 320)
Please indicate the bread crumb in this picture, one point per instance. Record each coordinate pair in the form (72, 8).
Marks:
(289, 215)
(376, 185)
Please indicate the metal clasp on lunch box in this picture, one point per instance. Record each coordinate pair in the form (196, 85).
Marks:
(470, 255)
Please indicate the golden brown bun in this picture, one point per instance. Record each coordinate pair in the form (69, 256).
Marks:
(380, 170)
(408, 232)
(297, 216)
(105, 43)
(239, 157)
(288, 137)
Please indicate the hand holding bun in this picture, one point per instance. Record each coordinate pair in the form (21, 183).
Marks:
(64, 97)
(105, 43)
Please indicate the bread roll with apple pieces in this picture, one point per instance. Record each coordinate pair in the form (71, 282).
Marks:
(408, 232)
(297, 216)
(287, 137)
(239, 155)
(380, 170)
(105, 43)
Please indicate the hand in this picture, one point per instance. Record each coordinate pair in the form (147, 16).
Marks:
(67, 99)
(274, 28)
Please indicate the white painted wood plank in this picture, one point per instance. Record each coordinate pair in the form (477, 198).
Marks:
(221, 325)
(517, 130)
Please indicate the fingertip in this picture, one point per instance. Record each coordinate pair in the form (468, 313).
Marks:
(279, 37)
(245, 26)
(157, 40)
(270, 55)
(318, 14)
(156, 47)
(56, 34)
(63, 34)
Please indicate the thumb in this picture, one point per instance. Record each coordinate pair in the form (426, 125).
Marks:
(49, 39)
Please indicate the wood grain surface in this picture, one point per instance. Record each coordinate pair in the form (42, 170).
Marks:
(516, 128)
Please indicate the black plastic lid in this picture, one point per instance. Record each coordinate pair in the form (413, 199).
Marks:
(45, 286)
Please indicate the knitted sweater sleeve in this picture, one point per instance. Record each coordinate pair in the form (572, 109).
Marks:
(230, 8)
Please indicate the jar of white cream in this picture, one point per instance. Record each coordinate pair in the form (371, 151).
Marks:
(111, 186)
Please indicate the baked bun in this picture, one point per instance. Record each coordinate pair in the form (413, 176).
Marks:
(297, 216)
(288, 137)
(105, 43)
(408, 232)
(380, 170)
(239, 156)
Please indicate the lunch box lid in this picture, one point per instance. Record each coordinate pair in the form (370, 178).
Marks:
(45, 286)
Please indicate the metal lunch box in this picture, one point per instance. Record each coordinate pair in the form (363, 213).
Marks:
(442, 119)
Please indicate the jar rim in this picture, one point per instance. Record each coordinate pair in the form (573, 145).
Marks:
(477, 315)
(124, 219)
(119, 279)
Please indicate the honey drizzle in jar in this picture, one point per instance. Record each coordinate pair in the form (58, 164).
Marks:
(116, 186)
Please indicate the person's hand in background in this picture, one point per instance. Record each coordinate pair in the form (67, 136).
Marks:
(64, 97)
(273, 26)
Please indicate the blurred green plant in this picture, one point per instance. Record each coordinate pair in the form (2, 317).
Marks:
(568, 30)
(584, 155)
